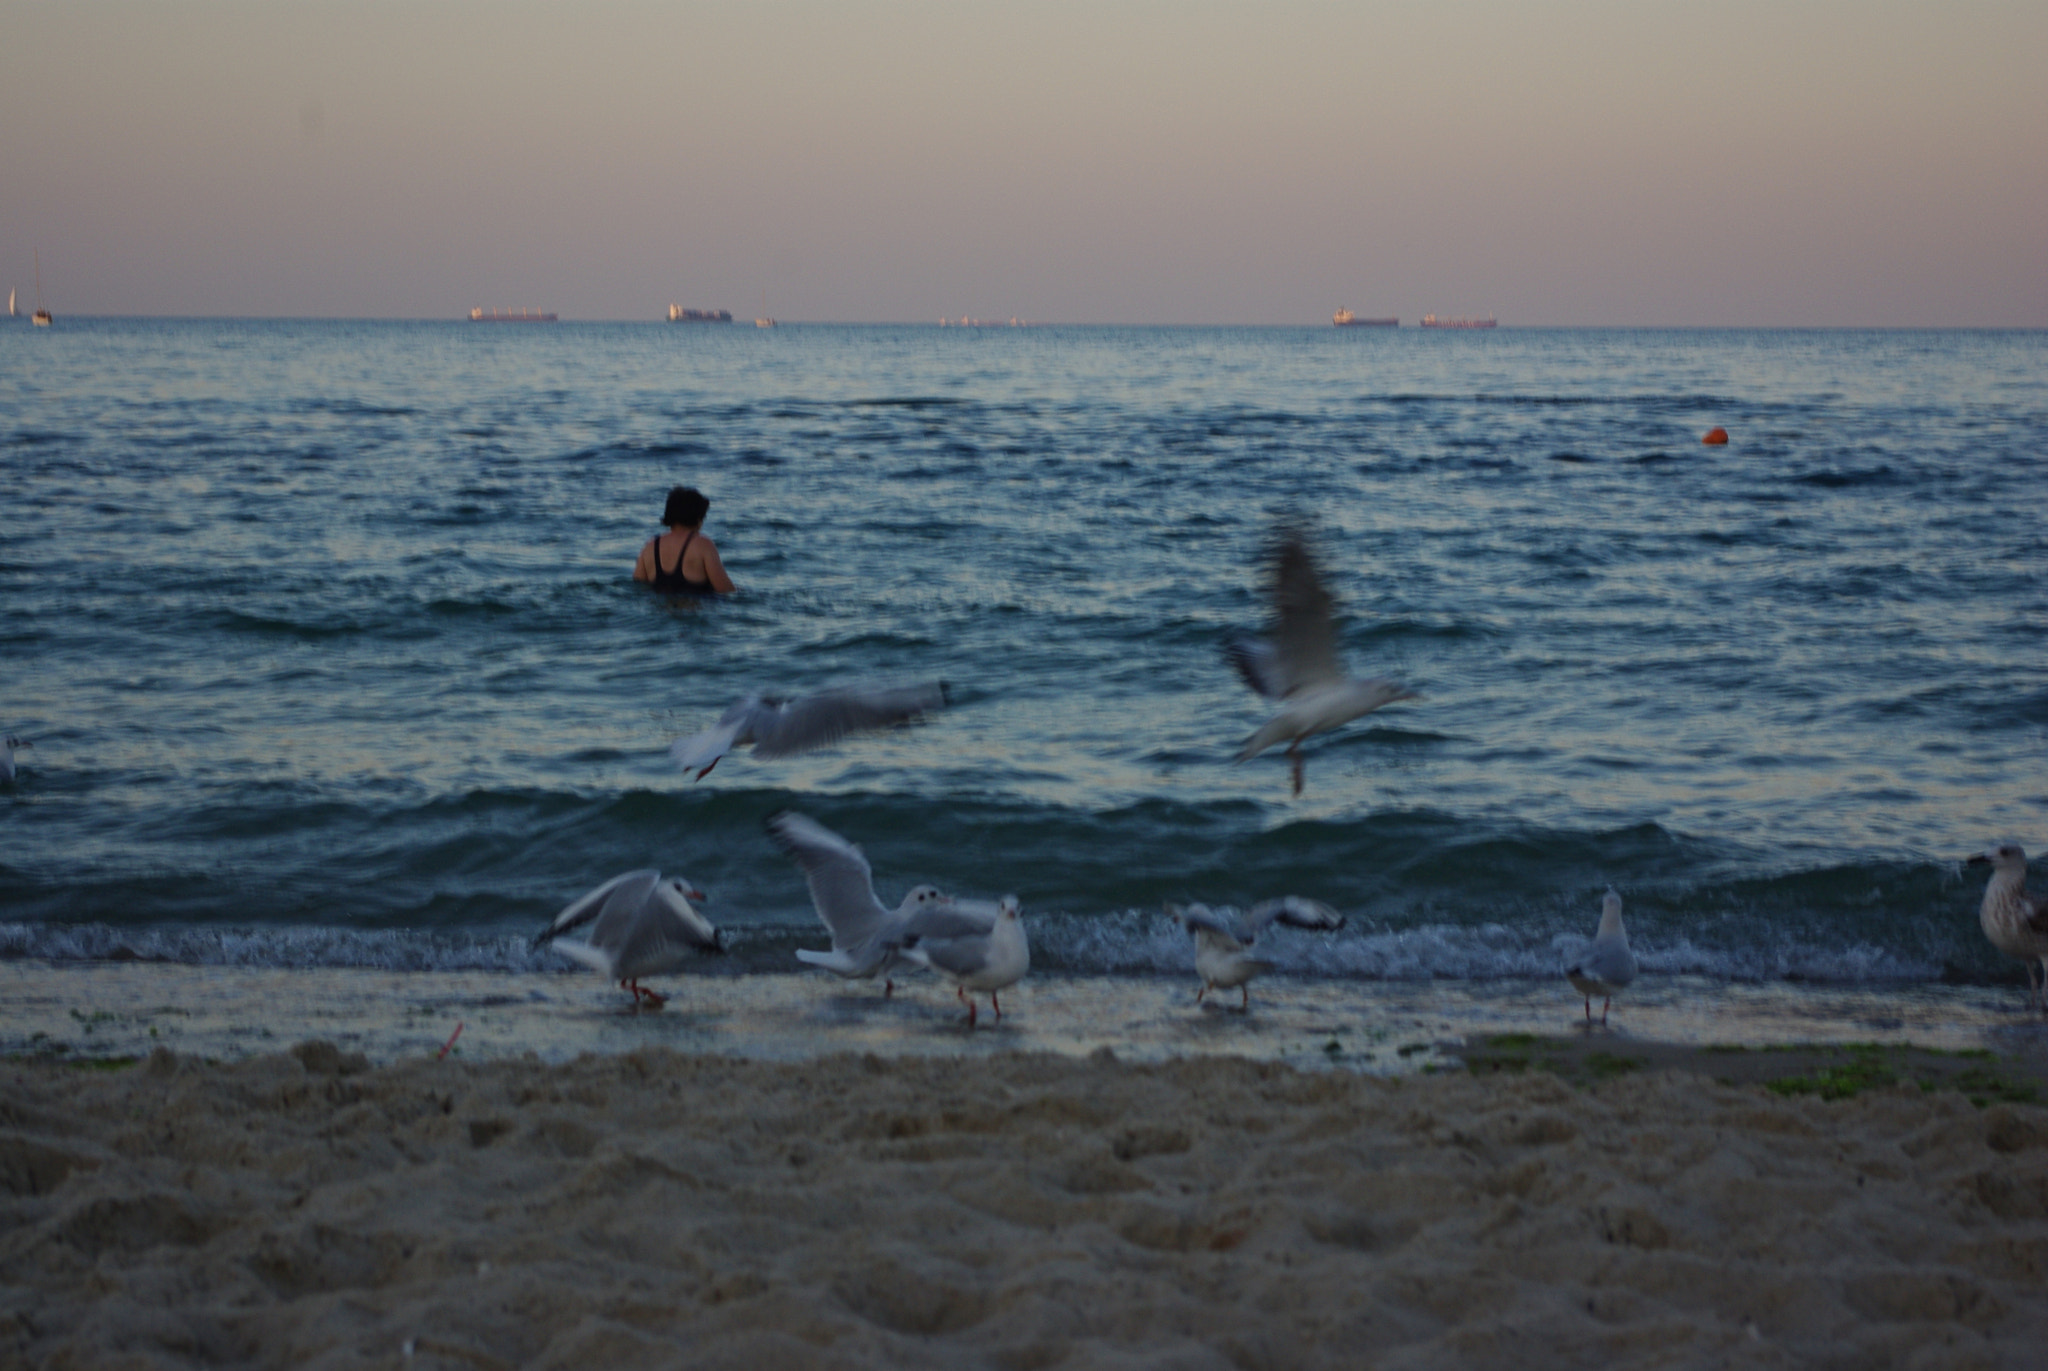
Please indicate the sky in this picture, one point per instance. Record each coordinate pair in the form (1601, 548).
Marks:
(1650, 163)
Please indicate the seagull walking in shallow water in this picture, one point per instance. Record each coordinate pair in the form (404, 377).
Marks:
(1223, 947)
(634, 925)
(778, 726)
(2015, 921)
(864, 930)
(1606, 965)
(974, 947)
(1296, 664)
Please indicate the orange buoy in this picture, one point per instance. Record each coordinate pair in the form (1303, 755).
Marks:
(1716, 437)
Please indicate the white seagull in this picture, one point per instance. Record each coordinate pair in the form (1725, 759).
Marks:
(1605, 966)
(634, 925)
(781, 726)
(1297, 664)
(974, 947)
(2014, 920)
(843, 890)
(7, 757)
(1223, 947)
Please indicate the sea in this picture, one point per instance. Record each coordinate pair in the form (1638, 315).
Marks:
(324, 637)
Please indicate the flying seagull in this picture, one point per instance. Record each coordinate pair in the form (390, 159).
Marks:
(1605, 966)
(634, 925)
(842, 885)
(781, 726)
(1223, 946)
(2014, 920)
(7, 756)
(1296, 664)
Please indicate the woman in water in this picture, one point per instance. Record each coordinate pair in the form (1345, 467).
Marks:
(682, 560)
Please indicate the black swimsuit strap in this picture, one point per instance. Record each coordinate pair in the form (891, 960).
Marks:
(687, 537)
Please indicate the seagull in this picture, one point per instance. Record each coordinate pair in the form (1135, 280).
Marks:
(1605, 966)
(1297, 665)
(1223, 946)
(780, 726)
(973, 946)
(634, 925)
(7, 757)
(2015, 921)
(843, 889)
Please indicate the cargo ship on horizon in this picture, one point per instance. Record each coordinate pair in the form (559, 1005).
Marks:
(510, 316)
(1344, 318)
(1431, 321)
(677, 314)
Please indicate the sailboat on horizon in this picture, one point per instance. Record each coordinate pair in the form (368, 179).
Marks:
(41, 318)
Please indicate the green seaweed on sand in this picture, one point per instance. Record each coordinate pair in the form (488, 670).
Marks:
(1984, 1087)
(1605, 1066)
(1866, 1069)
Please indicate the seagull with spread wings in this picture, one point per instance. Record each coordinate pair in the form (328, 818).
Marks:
(1296, 664)
(634, 925)
(781, 726)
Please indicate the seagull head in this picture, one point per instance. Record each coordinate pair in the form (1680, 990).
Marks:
(2002, 857)
(688, 889)
(1009, 907)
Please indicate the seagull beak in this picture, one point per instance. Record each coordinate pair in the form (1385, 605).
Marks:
(696, 896)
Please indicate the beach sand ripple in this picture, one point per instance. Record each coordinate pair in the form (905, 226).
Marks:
(648, 1209)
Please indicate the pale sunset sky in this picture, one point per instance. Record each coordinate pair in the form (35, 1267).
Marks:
(1729, 163)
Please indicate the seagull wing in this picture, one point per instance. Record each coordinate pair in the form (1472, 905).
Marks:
(953, 919)
(1207, 927)
(2034, 911)
(842, 884)
(655, 932)
(824, 718)
(629, 890)
(1607, 960)
(1304, 636)
(1259, 665)
(1294, 910)
(700, 751)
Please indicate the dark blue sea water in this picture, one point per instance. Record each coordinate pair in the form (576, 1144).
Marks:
(324, 636)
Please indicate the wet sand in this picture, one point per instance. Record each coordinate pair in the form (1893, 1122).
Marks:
(878, 1188)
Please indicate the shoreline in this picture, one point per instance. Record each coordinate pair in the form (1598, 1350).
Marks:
(113, 1010)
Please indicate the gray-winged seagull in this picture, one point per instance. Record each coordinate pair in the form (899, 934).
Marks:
(2014, 920)
(7, 756)
(1296, 664)
(1605, 966)
(781, 726)
(842, 885)
(974, 947)
(634, 925)
(1223, 946)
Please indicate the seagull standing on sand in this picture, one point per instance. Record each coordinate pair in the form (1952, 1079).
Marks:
(843, 890)
(1223, 947)
(2015, 921)
(1297, 664)
(1605, 966)
(780, 726)
(973, 947)
(635, 925)
(7, 757)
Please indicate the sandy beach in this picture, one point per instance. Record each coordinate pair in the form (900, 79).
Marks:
(1560, 1199)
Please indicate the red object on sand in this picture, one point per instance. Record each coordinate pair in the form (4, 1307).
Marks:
(451, 1041)
(1716, 437)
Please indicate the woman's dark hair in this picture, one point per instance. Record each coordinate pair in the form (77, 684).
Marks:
(686, 507)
